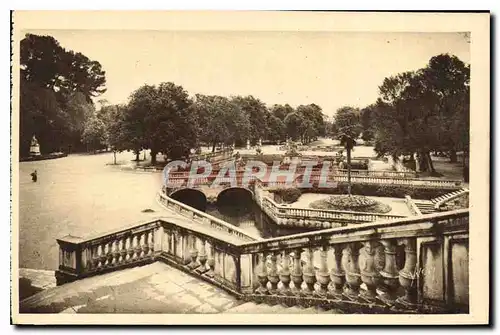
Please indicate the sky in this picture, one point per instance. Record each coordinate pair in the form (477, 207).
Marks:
(330, 69)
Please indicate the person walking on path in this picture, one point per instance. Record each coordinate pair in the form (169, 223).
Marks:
(34, 176)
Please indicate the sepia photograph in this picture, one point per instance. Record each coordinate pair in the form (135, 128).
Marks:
(250, 168)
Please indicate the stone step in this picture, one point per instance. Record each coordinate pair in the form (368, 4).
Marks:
(254, 308)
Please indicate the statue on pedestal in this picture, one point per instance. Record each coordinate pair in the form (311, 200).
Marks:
(34, 147)
(248, 144)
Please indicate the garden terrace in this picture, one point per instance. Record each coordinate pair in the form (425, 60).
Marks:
(416, 265)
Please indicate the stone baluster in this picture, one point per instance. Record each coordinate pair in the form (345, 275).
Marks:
(284, 274)
(353, 276)
(297, 272)
(111, 253)
(140, 244)
(145, 246)
(390, 275)
(273, 273)
(202, 258)
(100, 252)
(211, 262)
(131, 249)
(337, 274)
(95, 256)
(119, 251)
(193, 252)
(262, 275)
(369, 274)
(104, 255)
(309, 272)
(123, 250)
(151, 242)
(408, 275)
(323, 275)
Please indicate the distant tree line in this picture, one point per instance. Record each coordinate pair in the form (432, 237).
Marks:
(417, 113)
(57, 87)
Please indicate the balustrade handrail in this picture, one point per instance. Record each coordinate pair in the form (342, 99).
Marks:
(387, 174)
(329, 211)
(246, 268)
(228, 227)
(386, 229)
(355, 178)
(440, 203)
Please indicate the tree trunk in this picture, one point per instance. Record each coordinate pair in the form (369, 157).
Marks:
(465, 169)
(213, 146)
(114, 157)
(430, 166)
(137, 155)
(453, 156)
(153, 157)
(348, 171)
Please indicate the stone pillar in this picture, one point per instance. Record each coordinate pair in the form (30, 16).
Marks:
(273, 273)
(309, 272)
(408, 275)
(285, 273)
(323, 275)
(337, 274)
(353, 276)
(369, 274)
(297, 272)
(390, 276)
(262, 275)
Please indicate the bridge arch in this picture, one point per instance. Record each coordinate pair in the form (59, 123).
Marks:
(235, 191)
(191, 197)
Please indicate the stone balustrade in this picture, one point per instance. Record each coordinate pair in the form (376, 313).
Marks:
(315, 175)
(311, 217)
(372, 173)
(419, 264)
(427, 183)
(131, 246)
(405, 265)
(203, 218)
(412, 206)
(214, 156)
(450, 198)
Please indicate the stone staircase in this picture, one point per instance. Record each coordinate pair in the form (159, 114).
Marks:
(425, 206)
(442, 199)
(263, 308)
(429, 206)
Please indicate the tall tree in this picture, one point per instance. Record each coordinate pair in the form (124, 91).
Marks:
(160, 118)
(257, 114)
(57, 76)
(348, 130)
(294, 125)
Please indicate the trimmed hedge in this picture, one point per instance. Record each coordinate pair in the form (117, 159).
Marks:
(286, 195)
(393, 191)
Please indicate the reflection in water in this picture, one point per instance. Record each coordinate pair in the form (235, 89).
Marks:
(241, 211)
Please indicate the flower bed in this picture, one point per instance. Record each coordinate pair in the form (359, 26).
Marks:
(356, 203)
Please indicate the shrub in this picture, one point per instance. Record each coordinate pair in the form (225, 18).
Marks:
(287, 195)
(393, 191)
(356, 203)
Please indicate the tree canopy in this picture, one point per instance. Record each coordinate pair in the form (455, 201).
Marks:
(57, 87)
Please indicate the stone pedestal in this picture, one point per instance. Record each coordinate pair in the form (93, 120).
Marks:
(35, 150)
(34, 147)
